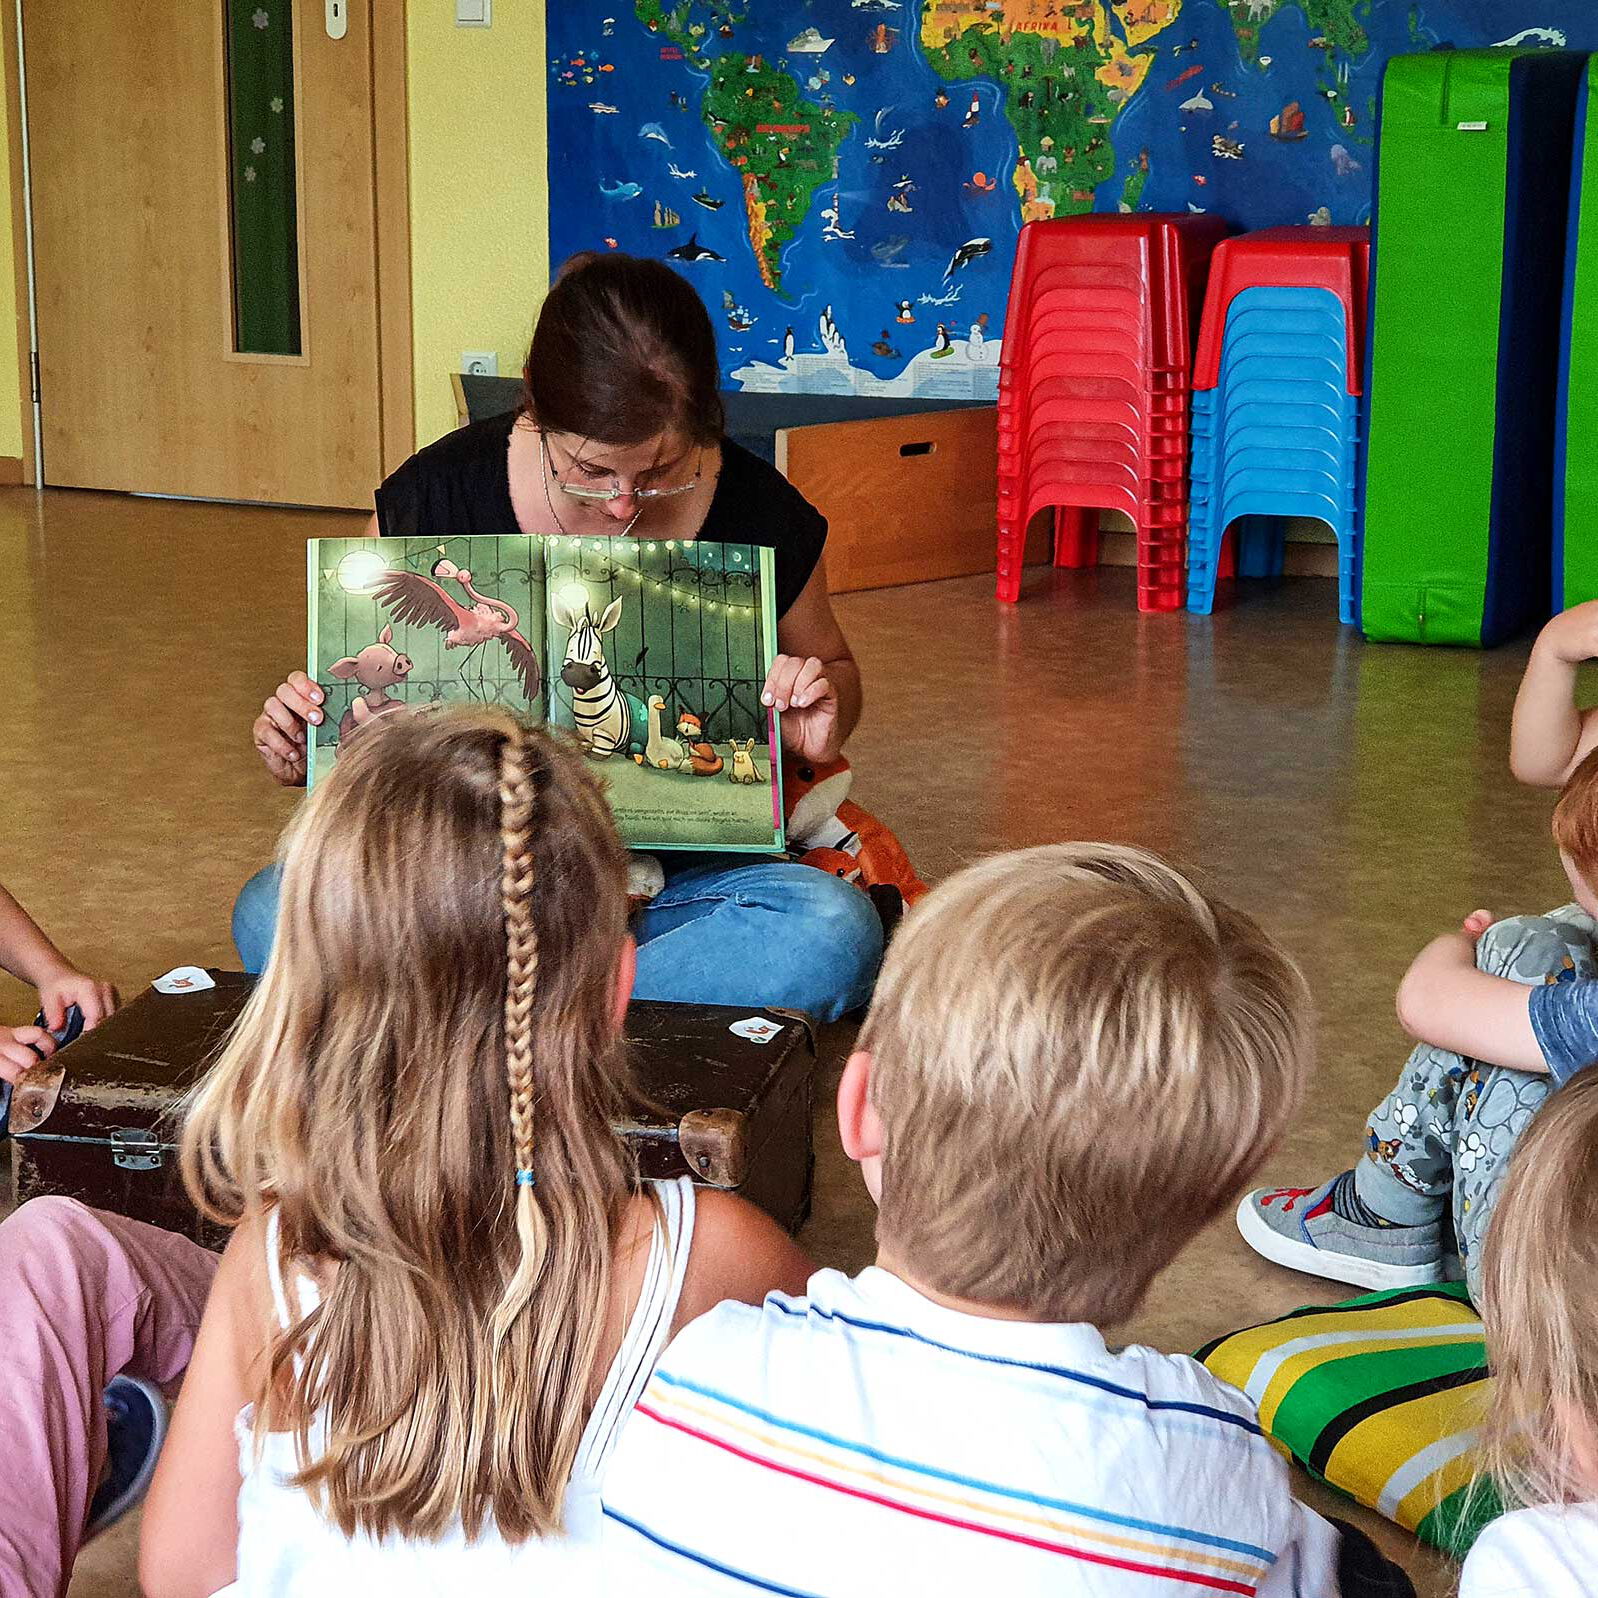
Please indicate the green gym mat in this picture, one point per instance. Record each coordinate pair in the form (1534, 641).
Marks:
(1576, 470)
(1472, 192)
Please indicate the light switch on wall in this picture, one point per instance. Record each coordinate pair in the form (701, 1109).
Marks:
(474, 13)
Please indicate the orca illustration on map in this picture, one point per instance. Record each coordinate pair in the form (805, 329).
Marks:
(844, 180)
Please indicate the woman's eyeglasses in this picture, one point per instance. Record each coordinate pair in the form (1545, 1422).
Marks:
(616, 491)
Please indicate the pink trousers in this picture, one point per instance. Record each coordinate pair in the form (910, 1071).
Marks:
(84, 1296)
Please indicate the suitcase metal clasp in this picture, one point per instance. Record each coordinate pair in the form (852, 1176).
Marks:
(135, 1149)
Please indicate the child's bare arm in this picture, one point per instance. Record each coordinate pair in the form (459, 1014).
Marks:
(739, 1253)
(1446, 1002)
(188, 1546)
(26, 952)
(1550, 737)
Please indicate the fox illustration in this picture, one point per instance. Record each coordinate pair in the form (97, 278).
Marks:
(701, 758)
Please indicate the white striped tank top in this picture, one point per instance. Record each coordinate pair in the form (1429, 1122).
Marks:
(287, 1550)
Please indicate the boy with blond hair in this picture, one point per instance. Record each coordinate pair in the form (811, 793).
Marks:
(1073, 1059)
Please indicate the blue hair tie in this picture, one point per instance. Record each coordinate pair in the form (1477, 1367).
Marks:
(526, 1179)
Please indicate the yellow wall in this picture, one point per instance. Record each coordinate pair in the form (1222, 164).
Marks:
(10, 372)
(479, 193)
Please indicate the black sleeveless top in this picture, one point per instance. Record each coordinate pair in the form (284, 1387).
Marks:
(461, 485)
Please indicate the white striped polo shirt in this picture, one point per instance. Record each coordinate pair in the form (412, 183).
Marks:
(864, 1440)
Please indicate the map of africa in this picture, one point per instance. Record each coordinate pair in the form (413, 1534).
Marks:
(844, 180)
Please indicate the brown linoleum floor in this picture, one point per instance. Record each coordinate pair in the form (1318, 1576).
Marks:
(1355, 799)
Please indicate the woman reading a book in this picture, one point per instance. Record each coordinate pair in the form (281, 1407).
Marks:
(620, 431)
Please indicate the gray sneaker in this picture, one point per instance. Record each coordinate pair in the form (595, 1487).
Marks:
(1298, 1227)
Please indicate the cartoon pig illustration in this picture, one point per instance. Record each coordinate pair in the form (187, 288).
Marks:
(377, 668)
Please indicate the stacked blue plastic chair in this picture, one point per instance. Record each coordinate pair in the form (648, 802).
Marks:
(1277, 434)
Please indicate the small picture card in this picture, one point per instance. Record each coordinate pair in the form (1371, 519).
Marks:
(184, 979)
(756, 1028)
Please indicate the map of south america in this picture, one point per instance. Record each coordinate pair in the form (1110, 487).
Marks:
(782, 145)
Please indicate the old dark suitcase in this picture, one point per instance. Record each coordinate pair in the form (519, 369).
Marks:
(731, 1112)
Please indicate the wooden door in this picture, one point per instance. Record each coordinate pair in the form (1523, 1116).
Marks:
(191, 343)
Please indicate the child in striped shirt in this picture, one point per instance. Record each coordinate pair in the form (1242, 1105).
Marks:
(1073, 1059)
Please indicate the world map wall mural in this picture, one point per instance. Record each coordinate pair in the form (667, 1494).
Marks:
(844, 180)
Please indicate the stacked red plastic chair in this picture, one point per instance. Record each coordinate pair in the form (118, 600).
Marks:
(1093, 390)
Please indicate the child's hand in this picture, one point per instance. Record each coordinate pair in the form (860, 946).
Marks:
(68, 986)
(1476, 923)
(279, 731)
(21, 1047)
(1572, 636)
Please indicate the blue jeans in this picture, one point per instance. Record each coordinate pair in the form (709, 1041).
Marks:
(725, 930)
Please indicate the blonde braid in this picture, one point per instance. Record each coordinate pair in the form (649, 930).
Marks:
(517, 793)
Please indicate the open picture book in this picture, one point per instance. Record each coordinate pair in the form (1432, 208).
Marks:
(654, 654)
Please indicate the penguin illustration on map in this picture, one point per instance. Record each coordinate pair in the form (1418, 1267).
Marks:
(974, 115)
(941, 345)
(903, 313)
(787, 345)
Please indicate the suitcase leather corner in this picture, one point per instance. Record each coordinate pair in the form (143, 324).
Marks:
(715, 1145)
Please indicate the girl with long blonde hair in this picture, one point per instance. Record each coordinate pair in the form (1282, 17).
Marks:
(445, 1284)
(1540, 1310)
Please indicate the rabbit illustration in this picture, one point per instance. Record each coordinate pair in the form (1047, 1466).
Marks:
(744, 768)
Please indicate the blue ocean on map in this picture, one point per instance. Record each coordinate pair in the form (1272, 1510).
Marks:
(895, 279)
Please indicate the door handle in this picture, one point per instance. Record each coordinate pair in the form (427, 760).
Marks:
(337, 16)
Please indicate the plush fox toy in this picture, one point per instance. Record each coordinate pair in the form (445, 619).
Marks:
(828, 830)
(840, 864)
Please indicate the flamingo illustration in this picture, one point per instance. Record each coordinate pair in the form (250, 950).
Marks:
(415, 600)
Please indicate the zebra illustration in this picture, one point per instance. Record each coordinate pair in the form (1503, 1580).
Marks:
(609, 720)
